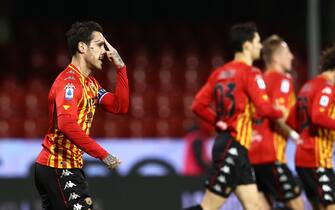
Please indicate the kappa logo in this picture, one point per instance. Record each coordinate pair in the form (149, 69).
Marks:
(288, 195)
(230, 160)
(328, 197)
(217, 188)
(326, 90)
(77, 206)
(222, 179)
(66, 172)
(324, 178)
(287, 186)
(71, 72)
(320, 170)
(283, 178)
(280, 170)
(233, 151)
(70, 78)
(69, 184)
(326, 188)
(225, 169)
(73, 196)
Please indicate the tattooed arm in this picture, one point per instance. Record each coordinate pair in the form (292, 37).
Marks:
(114, 56)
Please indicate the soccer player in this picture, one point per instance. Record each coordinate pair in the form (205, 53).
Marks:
(232, 88)
(267, 152)
(73, 99)
(314, 115)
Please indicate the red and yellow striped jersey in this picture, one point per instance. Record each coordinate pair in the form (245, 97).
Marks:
(268, 144)
(314, 117)
(73, 99)
(233, 88)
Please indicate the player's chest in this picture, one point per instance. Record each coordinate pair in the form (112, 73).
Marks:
(90, 95)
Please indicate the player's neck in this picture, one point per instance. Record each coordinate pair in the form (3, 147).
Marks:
(78, 62)
(328, 75)
(243, 57)
(275, 67)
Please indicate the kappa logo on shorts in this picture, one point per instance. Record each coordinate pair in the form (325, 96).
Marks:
(233, 151)
(77, 206)
(287, 187)
(280, 170)
(222, 179)
(320, 170)
(230, 160)
(73, 196)
(328, 197)
(324, 178)
(288, 195)
(69, 184)
(326, 188)
(66, 172)
(225, 169)
(283, 178)
(217, 188)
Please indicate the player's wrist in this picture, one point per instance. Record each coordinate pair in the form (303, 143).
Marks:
(111, 161)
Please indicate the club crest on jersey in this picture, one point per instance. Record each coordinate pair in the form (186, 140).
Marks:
(69, 91)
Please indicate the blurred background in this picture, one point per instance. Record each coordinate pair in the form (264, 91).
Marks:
(170, 48)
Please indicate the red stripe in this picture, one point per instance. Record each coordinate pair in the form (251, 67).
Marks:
(72, 154)
(60, 189)
(230, 141)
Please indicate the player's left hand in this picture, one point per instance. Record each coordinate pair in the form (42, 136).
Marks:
(113, 55)
(111, 161)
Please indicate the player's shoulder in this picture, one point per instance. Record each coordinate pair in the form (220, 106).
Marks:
(68, 77)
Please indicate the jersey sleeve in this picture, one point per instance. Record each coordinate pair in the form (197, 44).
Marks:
(201, 105)
(256, 89)
(323, 101)
(118, 101)
(67, 97)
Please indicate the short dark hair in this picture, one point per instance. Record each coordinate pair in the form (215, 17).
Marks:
(270, 45)
(81, 32)
(327, 61)
(241, 33)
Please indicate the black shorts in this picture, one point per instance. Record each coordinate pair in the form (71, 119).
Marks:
(62, 189)
(276, 180)
(319, 184)
(230, 166)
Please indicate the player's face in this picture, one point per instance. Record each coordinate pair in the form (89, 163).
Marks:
(96, 51)
(284, 56)
(256, 47)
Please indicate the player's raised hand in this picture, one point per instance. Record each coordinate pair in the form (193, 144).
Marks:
(111, 161)
(113, 55)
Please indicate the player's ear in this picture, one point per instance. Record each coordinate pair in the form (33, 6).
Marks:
(246, 46)
(82, 47)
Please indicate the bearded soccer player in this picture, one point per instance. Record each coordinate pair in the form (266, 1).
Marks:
(232, 88)
(267, 152)
(73, 99)
(314, 116)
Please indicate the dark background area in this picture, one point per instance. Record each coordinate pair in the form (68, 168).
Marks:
(170, 48)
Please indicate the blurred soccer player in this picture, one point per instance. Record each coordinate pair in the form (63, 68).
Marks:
(232, 88)
(73, 99)
(315, 120)
(267, 152)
